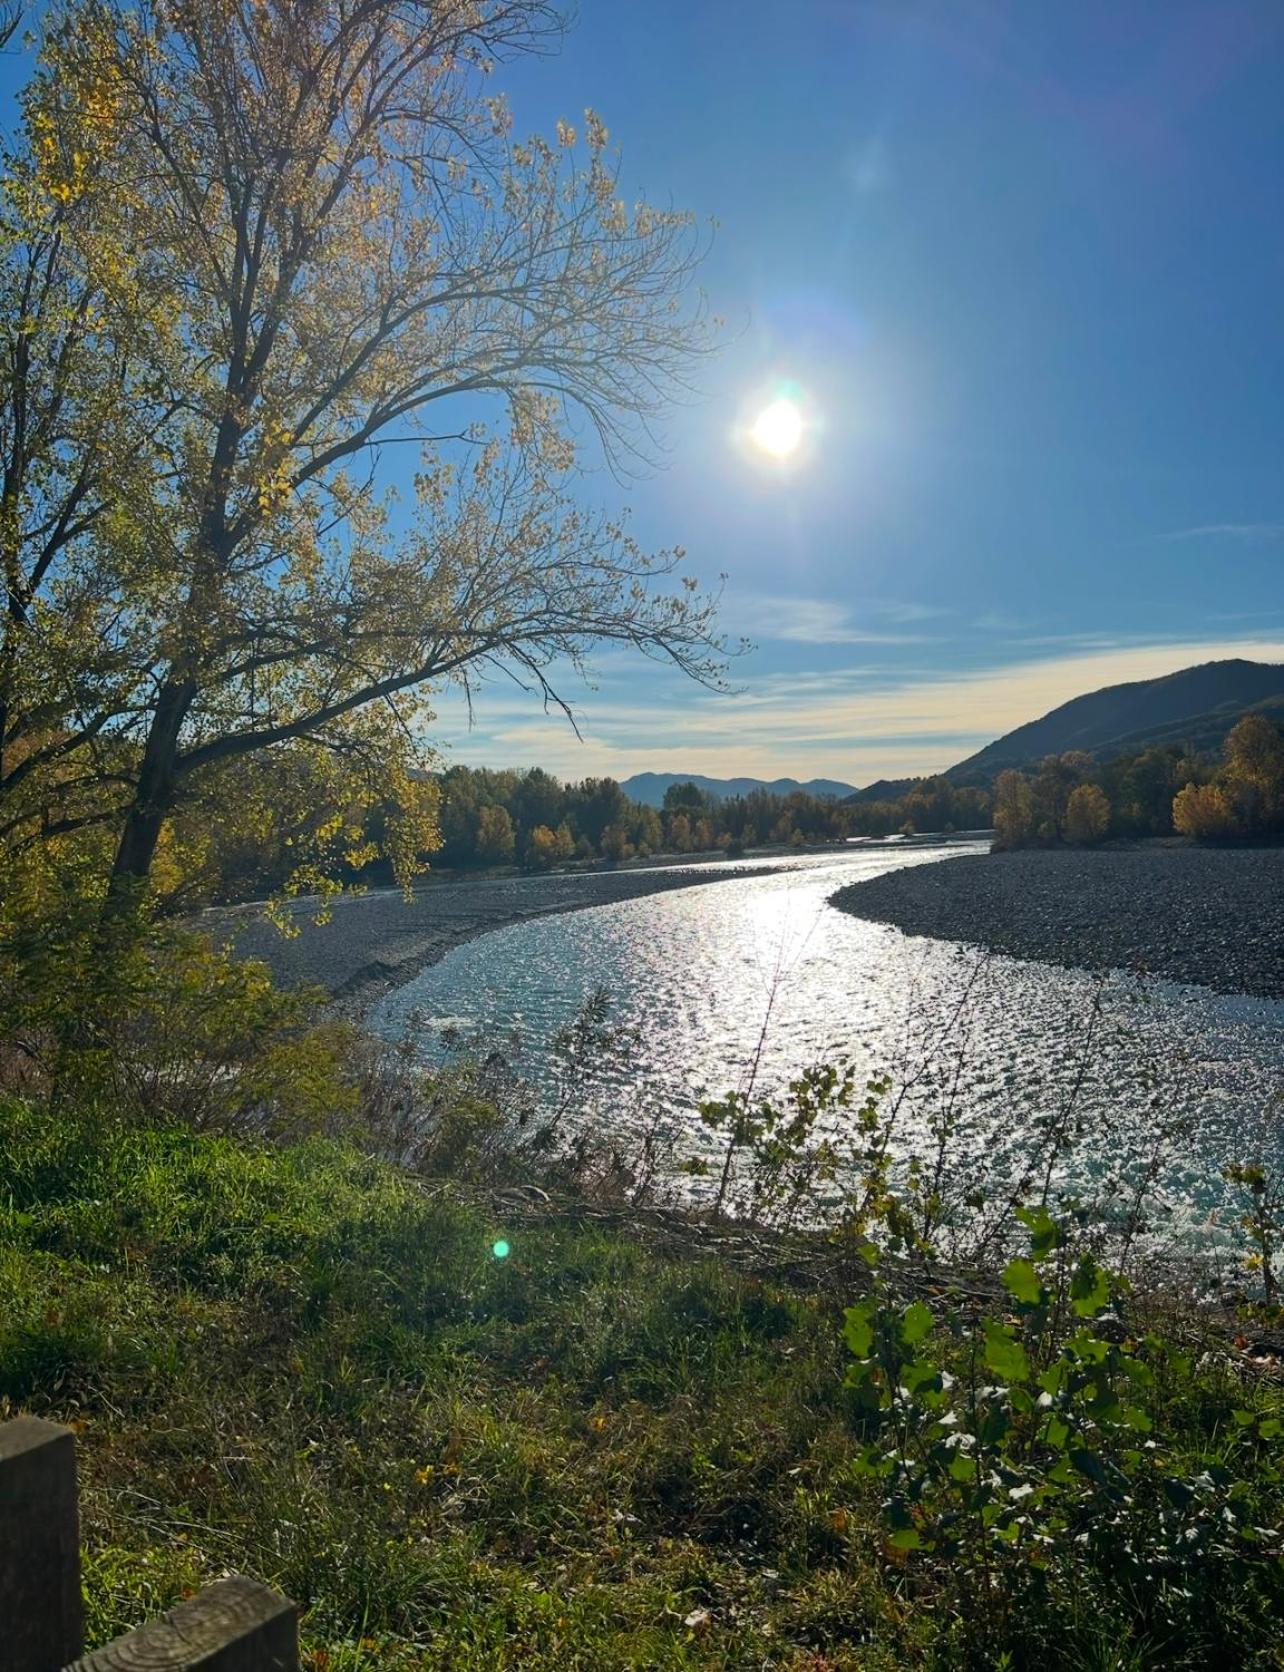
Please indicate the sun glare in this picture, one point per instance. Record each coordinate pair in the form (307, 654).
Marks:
(778, 428)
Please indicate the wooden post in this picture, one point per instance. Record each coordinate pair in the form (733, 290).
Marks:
(236, 1625)
(41, 1613)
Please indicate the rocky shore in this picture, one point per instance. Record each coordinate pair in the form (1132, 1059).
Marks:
(374, 941)
(1212, 916)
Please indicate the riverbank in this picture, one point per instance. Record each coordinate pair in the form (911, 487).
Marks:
(1209, 916)
(375, 941)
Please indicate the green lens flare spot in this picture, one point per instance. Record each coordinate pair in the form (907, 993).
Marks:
(499, 1249)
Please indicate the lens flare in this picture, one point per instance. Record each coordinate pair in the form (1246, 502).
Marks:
(778, 428)
(499, 1249)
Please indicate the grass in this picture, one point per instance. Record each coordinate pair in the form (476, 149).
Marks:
(303, 1365)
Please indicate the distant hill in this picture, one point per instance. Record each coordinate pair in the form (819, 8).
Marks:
(885, 789)
(649, 787)
(1195, 706)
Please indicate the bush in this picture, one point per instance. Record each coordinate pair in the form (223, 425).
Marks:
(154, 1024)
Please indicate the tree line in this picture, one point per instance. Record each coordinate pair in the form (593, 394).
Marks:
(1158, 791)
(534, 820)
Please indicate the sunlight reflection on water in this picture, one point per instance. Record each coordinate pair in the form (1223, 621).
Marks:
(762, 968)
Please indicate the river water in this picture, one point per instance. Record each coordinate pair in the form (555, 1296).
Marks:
(746, 983)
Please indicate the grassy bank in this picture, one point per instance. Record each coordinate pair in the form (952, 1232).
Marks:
(308, 1367)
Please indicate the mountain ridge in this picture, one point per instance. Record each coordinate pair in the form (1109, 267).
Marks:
(649, 787)
(1196, 706)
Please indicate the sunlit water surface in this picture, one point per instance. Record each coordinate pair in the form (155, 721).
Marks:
(753, 979)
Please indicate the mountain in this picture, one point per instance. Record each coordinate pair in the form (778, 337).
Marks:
(649, 787)
(1196, 705)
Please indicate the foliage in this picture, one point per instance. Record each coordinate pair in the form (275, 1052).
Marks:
(243, 250)
(1022, 1451)
(1013, 809)
(1254, 773)
(306, 1366)
(1202, 811)
(1087, 814)
(1153, 793)
(155, 1025)
(1262, 1220)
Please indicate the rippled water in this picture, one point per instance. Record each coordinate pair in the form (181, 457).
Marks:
(761, 970)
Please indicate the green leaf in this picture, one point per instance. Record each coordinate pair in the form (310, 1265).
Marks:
(962, 1468)
(1004, 1354)
(1021, 1280)
(920, 1375)
(858, 1328)
(1243, 1419)
(916, 1323)
(1271, 1428)
(1045, 1233)
(1089, 1288)
(906, 1538)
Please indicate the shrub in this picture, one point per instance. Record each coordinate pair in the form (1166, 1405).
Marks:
(152, 1023)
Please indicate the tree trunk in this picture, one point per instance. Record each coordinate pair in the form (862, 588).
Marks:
(153, 798)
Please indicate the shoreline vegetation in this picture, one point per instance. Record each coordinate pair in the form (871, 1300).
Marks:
(1207, 916)
(599, 1449)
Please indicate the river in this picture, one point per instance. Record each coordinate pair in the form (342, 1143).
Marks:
(746, 983)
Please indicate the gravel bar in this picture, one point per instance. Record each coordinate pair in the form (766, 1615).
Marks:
(1211, 916)
(378, 940)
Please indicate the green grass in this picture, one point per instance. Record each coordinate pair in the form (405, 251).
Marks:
(301, 1365)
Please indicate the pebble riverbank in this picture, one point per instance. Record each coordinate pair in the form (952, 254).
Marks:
(375, 941)
(1211, 916)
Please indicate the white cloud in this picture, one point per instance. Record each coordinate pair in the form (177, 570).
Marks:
(775, 616)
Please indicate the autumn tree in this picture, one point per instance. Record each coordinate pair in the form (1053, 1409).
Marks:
(70, 441)
(348, 242)
(1204, 811)
(549, 847)
(1087, 817)
(1254, 775)
(1013, 809)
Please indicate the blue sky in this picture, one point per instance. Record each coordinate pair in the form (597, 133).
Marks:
(1025, 260)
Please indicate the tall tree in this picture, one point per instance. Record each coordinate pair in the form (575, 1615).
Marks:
(349, 240)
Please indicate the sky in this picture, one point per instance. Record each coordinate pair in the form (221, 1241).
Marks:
(1023, 262)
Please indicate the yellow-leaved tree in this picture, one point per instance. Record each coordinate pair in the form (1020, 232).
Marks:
(1087, 815)
(287, 239)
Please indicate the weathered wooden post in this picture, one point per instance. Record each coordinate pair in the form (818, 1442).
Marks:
(41, 1614)
(236, 1625)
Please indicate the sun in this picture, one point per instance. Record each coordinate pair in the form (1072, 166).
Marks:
(778, 428)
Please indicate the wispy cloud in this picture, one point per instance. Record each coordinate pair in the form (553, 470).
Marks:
(855, 725)
(1248, 533)
(772, 616)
